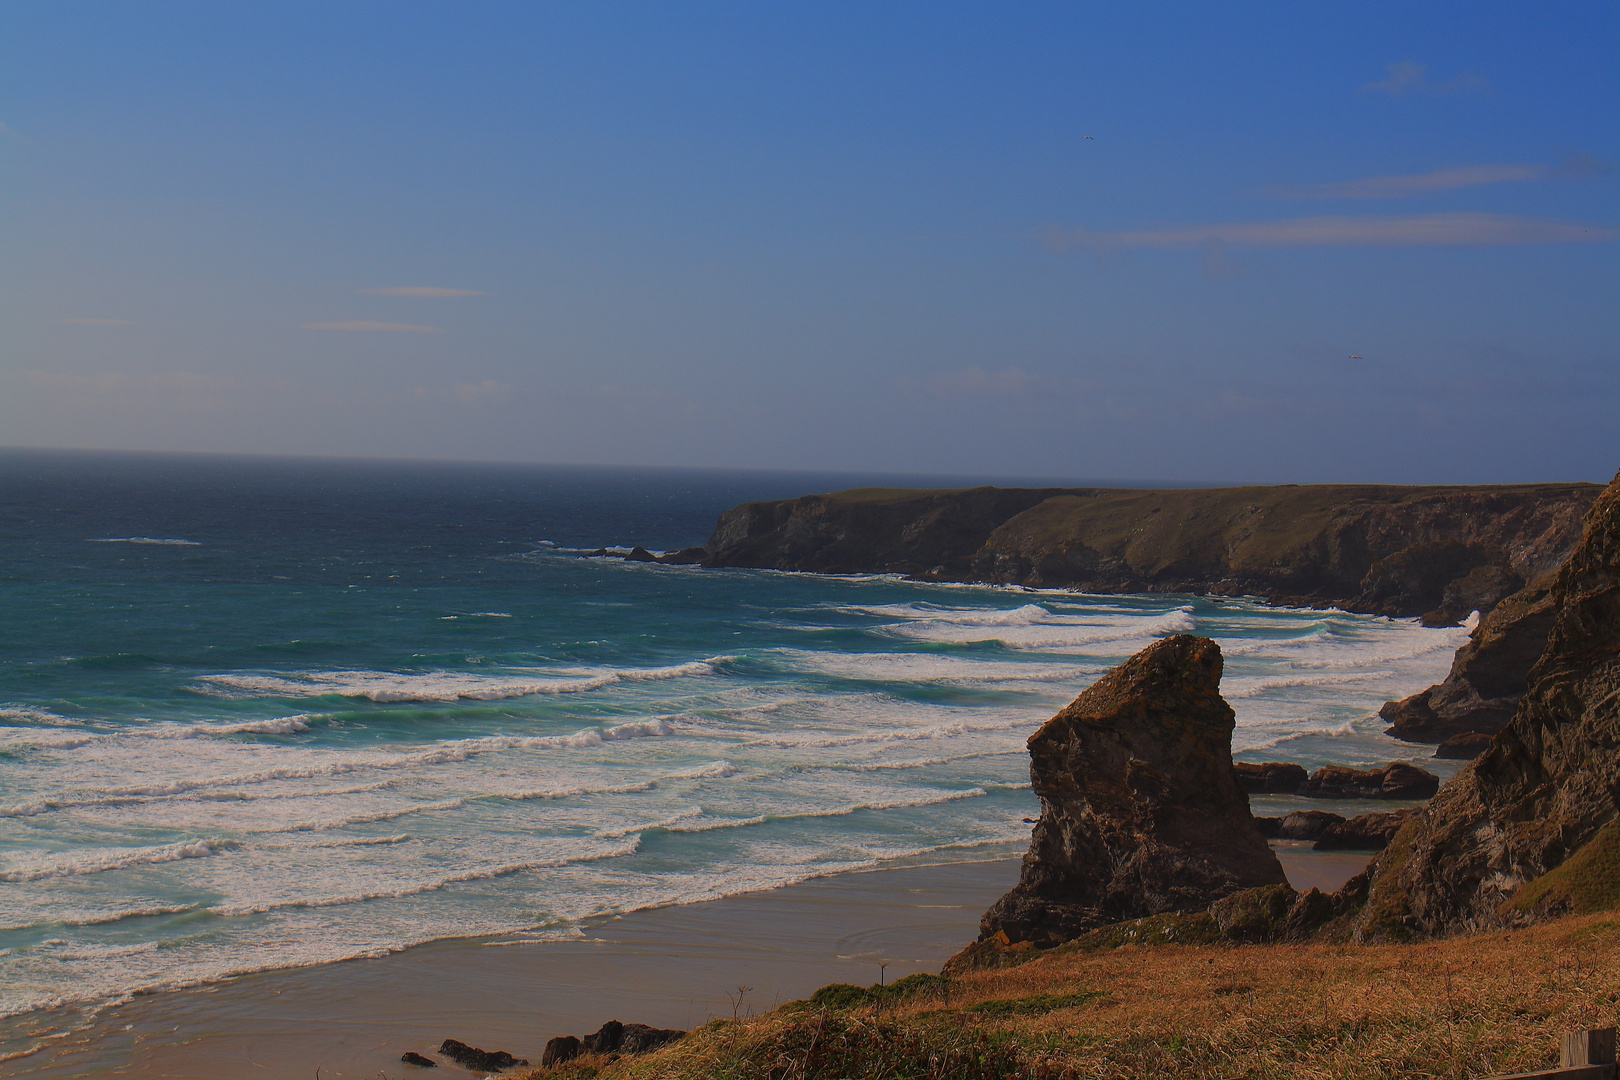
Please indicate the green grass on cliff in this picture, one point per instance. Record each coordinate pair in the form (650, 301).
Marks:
(1587, 881)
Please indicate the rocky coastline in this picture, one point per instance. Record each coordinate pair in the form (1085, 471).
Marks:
(1433, 552)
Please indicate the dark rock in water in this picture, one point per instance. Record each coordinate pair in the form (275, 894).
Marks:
(411, 1057)
(684, 557)
(1269, 826)
(1307, 824)
(1487, 678)
(640, 554)
(1531, 827)
(1464, 747)
(1397, 780)
(1141, 812)
(471, 1057)
(1365, 832)
(560, 1049)
(1271, 778)
(599, 553)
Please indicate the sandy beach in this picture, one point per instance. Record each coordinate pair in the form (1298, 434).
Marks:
(670, 967)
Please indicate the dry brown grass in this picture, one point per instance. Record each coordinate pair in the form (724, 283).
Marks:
(1466, 1007)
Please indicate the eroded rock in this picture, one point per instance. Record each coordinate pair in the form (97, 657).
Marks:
(1270, 778)
(1141, 812)
(471, 1057)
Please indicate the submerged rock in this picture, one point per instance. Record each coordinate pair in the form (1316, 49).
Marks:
(471, 1057)
(1532, 826)
(1307, 824)
(1487, 677)
(1141, 812)
(411, 1057)
(1397, 780)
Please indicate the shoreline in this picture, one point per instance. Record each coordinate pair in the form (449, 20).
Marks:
(675, 966)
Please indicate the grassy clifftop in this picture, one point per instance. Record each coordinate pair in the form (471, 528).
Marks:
(1462, 1007)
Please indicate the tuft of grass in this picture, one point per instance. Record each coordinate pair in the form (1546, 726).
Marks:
(878, 995)
(1034, 1005)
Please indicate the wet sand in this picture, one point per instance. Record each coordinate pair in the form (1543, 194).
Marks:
(669, 967)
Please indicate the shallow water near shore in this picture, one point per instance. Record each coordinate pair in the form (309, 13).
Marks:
(260, 716)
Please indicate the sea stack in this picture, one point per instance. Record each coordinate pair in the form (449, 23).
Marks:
(1141, 813)
(1532, 826)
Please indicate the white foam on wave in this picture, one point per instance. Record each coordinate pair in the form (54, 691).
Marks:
(1032, 627)
(37, 717)
(620, 832)
(393, 686)
(371, 818)
(280, 725)
(38, 865)
(934, 668)
(1238, 689)
(434, 884)
(910, 734)
(155, 540)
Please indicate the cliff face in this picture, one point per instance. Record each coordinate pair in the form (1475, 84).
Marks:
(1530, 827)
(1402, 551)
(1487, 677)
(1141, 812)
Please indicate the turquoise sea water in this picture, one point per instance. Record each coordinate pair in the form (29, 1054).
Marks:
(260, 714)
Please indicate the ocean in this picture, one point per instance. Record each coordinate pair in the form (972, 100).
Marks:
(269, 713)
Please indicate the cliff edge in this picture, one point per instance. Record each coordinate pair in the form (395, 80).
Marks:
(1532, 826)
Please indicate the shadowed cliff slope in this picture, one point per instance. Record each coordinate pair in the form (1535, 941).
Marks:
(1402, 551)
(1532, 826)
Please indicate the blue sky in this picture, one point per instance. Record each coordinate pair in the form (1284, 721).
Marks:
(1269, 243)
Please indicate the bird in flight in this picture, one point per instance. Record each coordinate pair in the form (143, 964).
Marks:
(1355, 357)
(1091, 136)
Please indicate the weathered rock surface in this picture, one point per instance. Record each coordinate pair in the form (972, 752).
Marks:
(1464, 746)
(1397, 780)
(559, 1049)
(1487, 676)
(1402, 551)
(471, 1057)
(1141, 812)
(411, 1057)
(1270, 778)
(616, 1038)
(1530, 826)
(1365, 832)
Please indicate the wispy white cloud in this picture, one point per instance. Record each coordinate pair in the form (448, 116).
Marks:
(384, 327)
(1405, 187)
(422, 291)
(1411, 77)
(478, 393)
(1429, 230)
(96, 322)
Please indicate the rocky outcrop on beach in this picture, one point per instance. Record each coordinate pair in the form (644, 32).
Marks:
(1271, 777)
(1487, 677)
(1333, 832)
(1397, 780)
(1437, 552)
(1532, 826)
(1141, 812)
